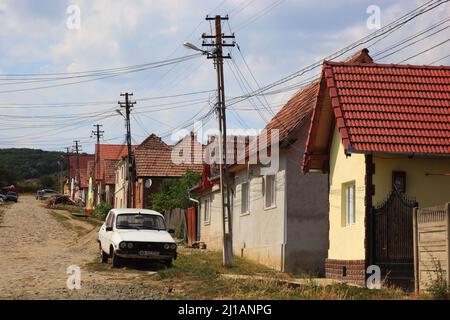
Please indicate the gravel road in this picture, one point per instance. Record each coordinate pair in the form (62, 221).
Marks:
(38, 246)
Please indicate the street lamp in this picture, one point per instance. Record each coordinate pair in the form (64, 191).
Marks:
(120, 112)
(193, 47)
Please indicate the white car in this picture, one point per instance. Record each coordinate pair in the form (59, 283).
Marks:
(136, 234)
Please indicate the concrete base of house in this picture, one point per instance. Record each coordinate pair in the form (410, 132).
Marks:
(352, 271)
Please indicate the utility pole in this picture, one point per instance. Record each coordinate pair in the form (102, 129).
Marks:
(128, 105)
(218, 43)
(97, 133)
(68, 167)
(77, 148)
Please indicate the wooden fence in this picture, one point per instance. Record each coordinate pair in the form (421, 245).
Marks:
(431, 245)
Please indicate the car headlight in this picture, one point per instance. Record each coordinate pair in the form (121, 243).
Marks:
(123, 245)
(173, 246)
(130, 245)
(166, 246)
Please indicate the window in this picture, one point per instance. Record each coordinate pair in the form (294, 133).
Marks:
(140, 221)
(349, 203)
(399, 181)
(269, 191)
(207, 211)
(109, 220)
(245, 198)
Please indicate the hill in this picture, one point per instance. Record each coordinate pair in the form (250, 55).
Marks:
(24, 164)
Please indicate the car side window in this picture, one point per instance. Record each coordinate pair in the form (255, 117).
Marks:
(109, 220)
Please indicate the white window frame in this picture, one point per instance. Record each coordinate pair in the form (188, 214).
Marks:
(247, 198)
(207, 211)
(349, 201)
(272, 184)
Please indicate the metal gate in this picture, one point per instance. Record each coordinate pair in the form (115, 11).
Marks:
(392, 239)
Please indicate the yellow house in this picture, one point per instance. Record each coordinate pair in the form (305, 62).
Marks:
(382, 133)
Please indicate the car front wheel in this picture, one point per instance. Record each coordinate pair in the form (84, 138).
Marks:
(168, 263)
(115, 260)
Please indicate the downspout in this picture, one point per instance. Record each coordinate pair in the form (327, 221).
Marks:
(369, 192)
(283, 252)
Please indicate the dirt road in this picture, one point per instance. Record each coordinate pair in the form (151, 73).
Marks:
(37, 247)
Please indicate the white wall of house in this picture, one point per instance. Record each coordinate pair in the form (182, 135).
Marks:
(211, 219)
(290, 234)
(120, 192)
(258, 233)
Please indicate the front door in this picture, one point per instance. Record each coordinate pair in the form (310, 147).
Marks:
(392, 239)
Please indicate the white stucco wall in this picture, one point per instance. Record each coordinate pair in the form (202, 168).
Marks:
(259, 234)
(211, 231)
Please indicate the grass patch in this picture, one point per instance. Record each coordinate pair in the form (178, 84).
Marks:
(66, 223)
(71, 209)
(197, 274)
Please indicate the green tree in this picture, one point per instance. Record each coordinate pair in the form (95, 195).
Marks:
(174, 192)
(47, 182)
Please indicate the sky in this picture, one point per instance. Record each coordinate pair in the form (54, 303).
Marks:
(275, 38)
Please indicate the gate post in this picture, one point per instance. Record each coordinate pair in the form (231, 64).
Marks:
(416, 251)
(447, 211)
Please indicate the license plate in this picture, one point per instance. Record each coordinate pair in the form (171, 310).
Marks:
(148, 253)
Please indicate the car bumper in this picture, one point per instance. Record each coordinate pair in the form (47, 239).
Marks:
(135, 255)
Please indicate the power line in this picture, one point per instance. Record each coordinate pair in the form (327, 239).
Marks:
(107, 76)
(424, 51)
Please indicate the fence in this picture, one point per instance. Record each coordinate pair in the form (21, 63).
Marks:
(431, 245)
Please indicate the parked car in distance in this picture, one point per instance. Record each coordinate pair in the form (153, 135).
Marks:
(39, 194)
(46, 193)
(12, 196)
(136, 234)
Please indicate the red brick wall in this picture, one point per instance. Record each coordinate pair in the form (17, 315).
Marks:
(353, 271)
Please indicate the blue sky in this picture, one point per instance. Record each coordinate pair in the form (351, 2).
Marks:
(286, 36)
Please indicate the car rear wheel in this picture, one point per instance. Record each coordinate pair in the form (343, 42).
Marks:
(103, 255)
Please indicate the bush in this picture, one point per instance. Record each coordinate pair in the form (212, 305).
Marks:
(438, 289)
(101, 210)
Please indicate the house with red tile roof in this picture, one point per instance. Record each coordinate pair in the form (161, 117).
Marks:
(382, 134)
(106, 157)
(154, 161)
(280, 218)
(80, 189)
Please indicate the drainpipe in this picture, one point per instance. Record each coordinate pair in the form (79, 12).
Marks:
(368, 243)
(283, 252)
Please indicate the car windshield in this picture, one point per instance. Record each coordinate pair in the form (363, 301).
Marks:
(140, 221)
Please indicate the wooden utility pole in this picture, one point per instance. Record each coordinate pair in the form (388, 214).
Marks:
(77, 148)
(68, 166)
(218, 43)
(97, 133)
(128, 105)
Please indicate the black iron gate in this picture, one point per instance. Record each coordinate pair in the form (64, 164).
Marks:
(392, 239)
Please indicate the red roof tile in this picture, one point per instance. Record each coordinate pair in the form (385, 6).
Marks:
(297, 111)
(383, 108)
(153, 158)
(392, 108)
(110, 171)
(110, 152)
(84, 160)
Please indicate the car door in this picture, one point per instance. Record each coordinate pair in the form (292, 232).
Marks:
(109, 234)
(102, 234)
